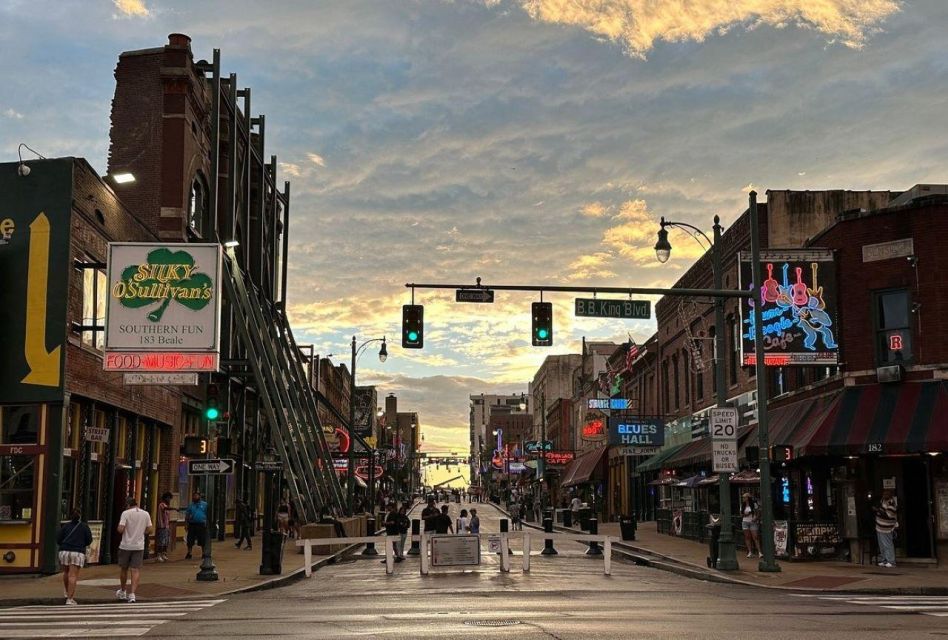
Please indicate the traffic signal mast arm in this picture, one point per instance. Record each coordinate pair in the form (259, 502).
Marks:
(712, 293)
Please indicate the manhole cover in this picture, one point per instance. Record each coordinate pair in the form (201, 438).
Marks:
(491, 623)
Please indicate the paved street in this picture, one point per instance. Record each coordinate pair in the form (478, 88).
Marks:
(562, 597)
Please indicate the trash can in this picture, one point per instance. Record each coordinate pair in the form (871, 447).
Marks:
(585, 513)
(627, 527)
(567, 518)
(714, 534)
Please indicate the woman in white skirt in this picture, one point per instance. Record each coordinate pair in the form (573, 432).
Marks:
(73, 539)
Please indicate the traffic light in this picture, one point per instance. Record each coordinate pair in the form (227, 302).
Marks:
(781, 453)
(194, 446)
(413, 326)
(211, 405)
(542, 324)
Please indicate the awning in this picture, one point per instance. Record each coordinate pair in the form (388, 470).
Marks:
(667, 480)
(690, 483)
(582, 468)
(655, 462)
(746, 477)
(910, 417)
(698, 451)
(793, 424)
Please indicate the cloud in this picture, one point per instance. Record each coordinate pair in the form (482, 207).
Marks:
(316, 159)
(639, 24)
(132, 8)
(11, 113)
(593, 210)
(291, 169)
(590, 266)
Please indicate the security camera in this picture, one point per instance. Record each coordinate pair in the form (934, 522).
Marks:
(23, 170)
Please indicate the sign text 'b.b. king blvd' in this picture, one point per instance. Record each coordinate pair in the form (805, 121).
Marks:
(622, 309)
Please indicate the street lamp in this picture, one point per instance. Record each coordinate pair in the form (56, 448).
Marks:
(727, 558)
(727, 554)
(523, 402)
(350, 474)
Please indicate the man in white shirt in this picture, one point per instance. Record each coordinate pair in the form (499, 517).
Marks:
(133, 525)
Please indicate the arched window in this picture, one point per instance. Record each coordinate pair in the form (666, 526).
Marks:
(198, 205)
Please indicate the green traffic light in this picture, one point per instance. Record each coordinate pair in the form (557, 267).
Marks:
(543, 334)
(413, 336)
(211, 413)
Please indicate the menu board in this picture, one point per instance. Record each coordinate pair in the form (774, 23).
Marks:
(941, 506)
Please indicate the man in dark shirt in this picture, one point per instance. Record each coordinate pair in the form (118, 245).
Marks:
(429, 514)
(442, 522)
(392, 528)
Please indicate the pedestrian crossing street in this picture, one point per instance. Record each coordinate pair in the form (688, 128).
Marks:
(120, 619)
(925, 605)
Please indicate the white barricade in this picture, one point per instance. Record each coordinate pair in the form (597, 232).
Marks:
(423, 538)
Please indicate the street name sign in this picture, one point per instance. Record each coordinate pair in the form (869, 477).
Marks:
(624, 309)
(616, 404)
(212, 466)
(455, 550)
(269, 465)
(474, 295)
(96, 434)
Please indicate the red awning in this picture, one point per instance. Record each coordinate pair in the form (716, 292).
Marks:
(910, 417)
(582, 468)
(697, 451)
(793, 424)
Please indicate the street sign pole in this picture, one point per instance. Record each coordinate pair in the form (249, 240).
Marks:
(207, 572)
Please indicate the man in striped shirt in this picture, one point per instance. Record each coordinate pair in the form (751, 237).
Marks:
(887, 522)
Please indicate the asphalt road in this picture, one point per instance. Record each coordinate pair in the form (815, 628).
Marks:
(563, 597)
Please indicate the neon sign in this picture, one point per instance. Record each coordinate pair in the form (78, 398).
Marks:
(594, 428)
(559, 457)
(798, 307)
(636, 431)
(895, 342)
(166, 361)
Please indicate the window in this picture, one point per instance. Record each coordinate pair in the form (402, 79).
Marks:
(675, 375)
(686, 370)
(893, 327)
(712, 332)
(699, 384)
(665, 387)
(95, 287)
(198, 205)
(16, 487)
(19, 424)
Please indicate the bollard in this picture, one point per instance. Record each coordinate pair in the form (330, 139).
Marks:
(567, 518)
(505, 528)
(548, 549)
(370, 549)
(593, 549)
(415, 531)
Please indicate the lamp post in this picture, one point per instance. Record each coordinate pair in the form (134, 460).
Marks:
(727, 555)
(727, 559)
(350, 475)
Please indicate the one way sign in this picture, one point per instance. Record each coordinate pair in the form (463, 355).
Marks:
(216, 467)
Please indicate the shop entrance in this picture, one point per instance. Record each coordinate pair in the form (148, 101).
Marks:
(917, 523)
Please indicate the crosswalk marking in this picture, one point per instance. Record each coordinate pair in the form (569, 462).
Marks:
(94, 620)
(925, 605)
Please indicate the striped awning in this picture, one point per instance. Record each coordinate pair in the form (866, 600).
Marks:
(910, 417)
(698, 451)
(793, 424)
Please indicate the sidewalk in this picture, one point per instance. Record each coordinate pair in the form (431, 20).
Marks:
(172, 580)
(670, 552)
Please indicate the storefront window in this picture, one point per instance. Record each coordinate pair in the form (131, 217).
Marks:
(19, 424)
(16, 487)
(893, 327)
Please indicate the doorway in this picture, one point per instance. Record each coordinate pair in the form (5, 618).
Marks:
(916, 523)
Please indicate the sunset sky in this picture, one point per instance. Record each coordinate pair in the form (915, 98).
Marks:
(522, 141)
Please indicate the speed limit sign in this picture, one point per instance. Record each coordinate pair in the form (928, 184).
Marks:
(723, 423)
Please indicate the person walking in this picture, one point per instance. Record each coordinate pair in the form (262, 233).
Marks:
(442, 523)
(133, 525)
(196, 518)
(163, 527)
(475, 522)
(392, 529)
(887, 521)
(404, 524)
(73, 539)
(574, 506)
(429, 514)
(243, 521)
(463, 524)
(750, 517)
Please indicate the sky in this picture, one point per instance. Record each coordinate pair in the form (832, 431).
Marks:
(520, 141)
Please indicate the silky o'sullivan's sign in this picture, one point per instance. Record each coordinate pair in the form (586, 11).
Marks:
(163, 298)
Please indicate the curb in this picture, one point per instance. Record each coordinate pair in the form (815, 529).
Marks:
(272, 583)
(648, 558)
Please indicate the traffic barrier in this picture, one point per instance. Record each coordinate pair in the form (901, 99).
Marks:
(548, 549)
(593, 549)
(309, 543)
